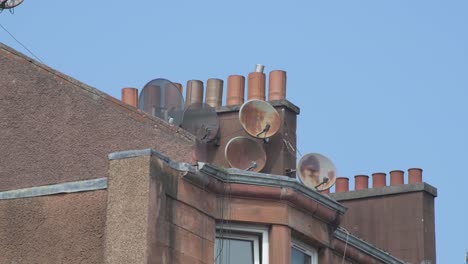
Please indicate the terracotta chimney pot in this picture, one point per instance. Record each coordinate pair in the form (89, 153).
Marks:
(194, 92)
(235, 90)
(130, 96)
(361, 182)
(277, 85)
(342, 184)
(414, 175)
(256, 86)
(397, 177)
(327, 191)
(179, 86)
(214, 92)
(379, 179)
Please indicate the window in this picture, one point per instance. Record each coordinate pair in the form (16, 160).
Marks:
(241, 244)
(302, 254)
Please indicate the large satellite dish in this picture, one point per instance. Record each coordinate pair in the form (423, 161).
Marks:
(163, 99)
(259, 118)
(316, 171)
(245, 153)
(201, 120)
(8, 4)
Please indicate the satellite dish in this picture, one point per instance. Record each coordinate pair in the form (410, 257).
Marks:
(8, 4)
(259, 118)
(245, 153)
(201, 120)
(161, 98)
(316, 171)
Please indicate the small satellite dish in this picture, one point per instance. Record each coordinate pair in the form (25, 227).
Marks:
(259, 118)
(245, 153)
(201, 120)
(161, 98)
(8, 4)
(316, 171)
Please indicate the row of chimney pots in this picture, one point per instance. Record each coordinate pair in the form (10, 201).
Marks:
(235, 89)
(379, 180)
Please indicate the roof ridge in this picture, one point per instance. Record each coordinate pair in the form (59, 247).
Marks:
(119, 105)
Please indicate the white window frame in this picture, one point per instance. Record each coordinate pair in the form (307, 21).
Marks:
(306, 249)
(247, 232)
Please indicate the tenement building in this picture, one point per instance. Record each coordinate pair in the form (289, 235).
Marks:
(88, 178)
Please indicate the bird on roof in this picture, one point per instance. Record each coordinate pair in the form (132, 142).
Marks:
(8, 4)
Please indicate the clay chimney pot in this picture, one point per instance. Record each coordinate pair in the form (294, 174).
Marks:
(130, 96)
(414, 175)
(361, 182)
(342, 184)
(235, 90)
(379, 179)
(396, 177)
(277, 85)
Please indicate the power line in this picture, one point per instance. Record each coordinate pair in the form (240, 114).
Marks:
(19, 42)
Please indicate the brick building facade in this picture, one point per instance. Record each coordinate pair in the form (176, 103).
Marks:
(86, 178)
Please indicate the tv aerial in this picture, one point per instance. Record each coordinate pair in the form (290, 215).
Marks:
(9, 4)
(161, 98)
(201, 120)
(245, 153)
(316, 171)
(259, 118)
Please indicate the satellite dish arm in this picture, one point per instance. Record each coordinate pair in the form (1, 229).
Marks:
(325, 180)
(265, 130)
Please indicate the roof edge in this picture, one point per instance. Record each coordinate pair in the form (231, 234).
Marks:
(210, 176)
(232, 175)
(364, 246)
(96, 92)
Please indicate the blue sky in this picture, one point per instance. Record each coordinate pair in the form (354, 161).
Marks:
(382, 85)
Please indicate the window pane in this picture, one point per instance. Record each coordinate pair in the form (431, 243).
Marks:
(298, 257)
(231, 251)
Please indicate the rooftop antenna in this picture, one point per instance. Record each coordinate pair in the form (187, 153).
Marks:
(316, 171)
(245, 153)
(259, 118)
(201, 120)
(161, 98)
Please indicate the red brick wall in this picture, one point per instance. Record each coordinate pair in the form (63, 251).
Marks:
(402, 224)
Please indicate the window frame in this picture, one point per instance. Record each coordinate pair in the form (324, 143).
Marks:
(255, 233)
(306, 249)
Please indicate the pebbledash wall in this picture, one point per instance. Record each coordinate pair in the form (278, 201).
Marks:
(54, 129)
(88, 179)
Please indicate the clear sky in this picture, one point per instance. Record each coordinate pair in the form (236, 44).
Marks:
(382, 85)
